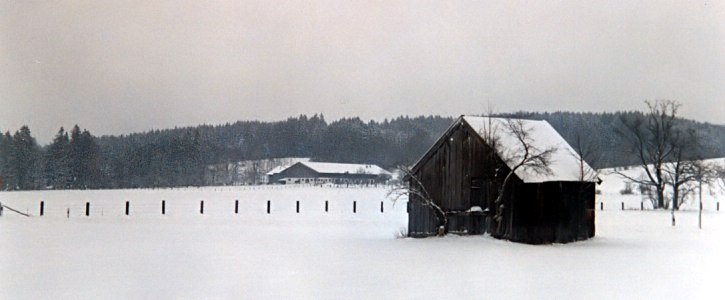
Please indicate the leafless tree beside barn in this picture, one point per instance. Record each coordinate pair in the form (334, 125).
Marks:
(655, 140)
(495, 176)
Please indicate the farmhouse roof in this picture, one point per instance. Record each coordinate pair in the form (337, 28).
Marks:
(337, 168)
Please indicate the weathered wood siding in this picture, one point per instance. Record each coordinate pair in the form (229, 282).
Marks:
(461, 171)
(551, 212)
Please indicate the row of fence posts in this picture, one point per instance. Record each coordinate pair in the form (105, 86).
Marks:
(641, 206)
(269, 207)
(236, 207)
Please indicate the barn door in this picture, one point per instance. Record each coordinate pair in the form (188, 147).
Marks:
(476, 196)
(476, 221)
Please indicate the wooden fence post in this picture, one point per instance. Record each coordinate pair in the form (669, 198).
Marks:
(298, 206)
(354, 207)
(381, 207)
(236, 206)
(201, 207)
(127, 207)
(42, 207)
(88, 209)
(163, 207)
(269, 206)
(326, 206)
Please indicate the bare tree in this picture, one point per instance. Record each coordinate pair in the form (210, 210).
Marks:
(719, 173)
(702, 173)
(524, 156)
(587, 154)
(415, 191)
(685, 167)
(650, 139)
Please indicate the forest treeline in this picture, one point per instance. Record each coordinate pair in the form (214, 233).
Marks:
(180, 156)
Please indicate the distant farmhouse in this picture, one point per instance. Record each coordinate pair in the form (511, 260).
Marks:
(320, 172)
(247, 171)
(462, 174)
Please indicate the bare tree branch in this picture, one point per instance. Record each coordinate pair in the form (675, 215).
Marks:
(422, 196)
(524, 156)
(650, 138)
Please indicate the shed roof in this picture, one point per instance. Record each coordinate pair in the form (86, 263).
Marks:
(564, 161)
(277, 169)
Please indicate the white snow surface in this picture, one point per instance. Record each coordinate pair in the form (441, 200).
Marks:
(339, 168)
(613, 184)
(333, 255)
(564, 161)
(276, 170)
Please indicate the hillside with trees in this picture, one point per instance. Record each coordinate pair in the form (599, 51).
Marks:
(180, 156)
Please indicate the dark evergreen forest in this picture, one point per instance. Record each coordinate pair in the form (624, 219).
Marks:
(180, 156)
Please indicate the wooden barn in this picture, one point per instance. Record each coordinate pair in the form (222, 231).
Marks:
(463, 174)
(320, 172)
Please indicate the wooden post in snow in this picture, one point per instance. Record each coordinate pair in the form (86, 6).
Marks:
(699, 216)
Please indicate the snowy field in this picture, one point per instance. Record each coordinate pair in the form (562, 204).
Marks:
(337, 254)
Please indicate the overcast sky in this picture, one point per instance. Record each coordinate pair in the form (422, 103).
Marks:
(125, 66)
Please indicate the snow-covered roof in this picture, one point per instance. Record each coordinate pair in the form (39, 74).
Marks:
(564, 161)
(336, 168)
(276, 170)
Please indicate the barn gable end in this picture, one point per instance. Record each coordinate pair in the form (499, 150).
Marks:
(462, 174)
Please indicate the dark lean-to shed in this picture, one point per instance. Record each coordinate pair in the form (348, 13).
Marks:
(462, 175)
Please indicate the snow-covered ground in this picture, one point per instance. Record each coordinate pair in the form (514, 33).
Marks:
(333, 255)
(613, 184)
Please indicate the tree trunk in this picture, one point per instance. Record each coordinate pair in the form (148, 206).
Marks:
(660, 189)
(675, 195)
(699, 216)
(500, 207)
